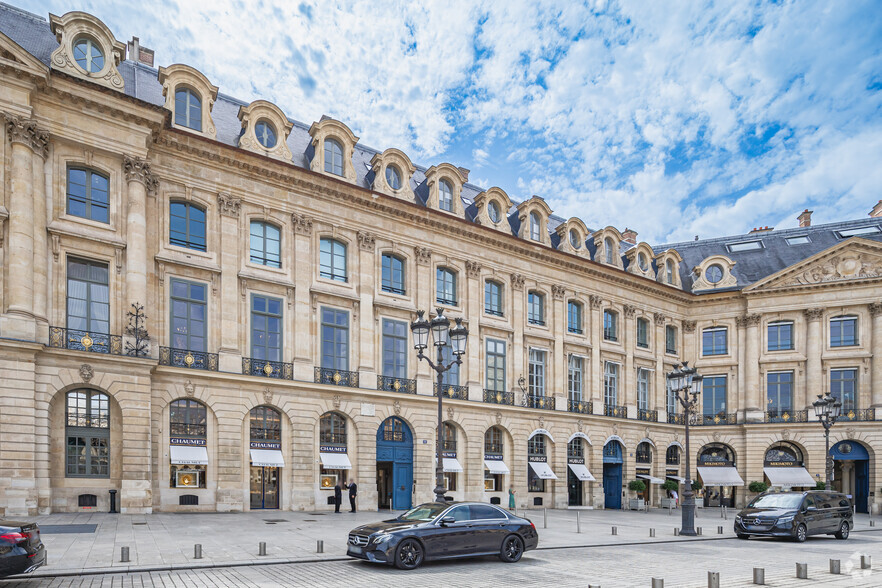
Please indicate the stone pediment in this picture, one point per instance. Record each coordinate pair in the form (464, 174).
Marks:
(854, 260)
(14, 56)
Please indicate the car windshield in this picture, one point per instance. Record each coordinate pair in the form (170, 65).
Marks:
(777, 501)
(423, 512)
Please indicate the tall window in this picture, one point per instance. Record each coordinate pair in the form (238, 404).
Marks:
(265, 244)
(535, 448)
(335, 339)
(779, 393)
(493, 441)
(394, 349)
(266, 328)
(535, 227)
(187, 418)
(574, 317)
(670, 339)
(669, 271)
(445, 196)
(780, 335)
(445, 286)
(87, 194)
(393, 274)
(642, 389)
(610, 325)
(266, 424)
(535, 308)
(186, 226)
(536, 372)
(188, 319)
(332, 259)
(88, 435)
(576, 449)
(493, 298)
(608, 246)
(88, 300)
(671, 402)
(672, 455)
(188, 109)
(714, 396)
(642, 333)
(843, 331)
(714, 341)
(643, 453)
(332, 429)
(574, 378)
(495, 365)
(451, 376)
(610, 383)
(843, 386)
(333, 157)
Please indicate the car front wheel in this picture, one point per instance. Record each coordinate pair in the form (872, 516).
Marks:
(409, 555)
(843, 531)
(800, 533)
(512, 549)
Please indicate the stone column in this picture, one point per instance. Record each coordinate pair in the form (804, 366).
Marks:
(813, 347)
(752, 388)
(365, 320)
(306, 319)
(426, 298)
(596, 368)
(470, 371)
(558, 363)
(628, 336)
(229, 352)
(41, 246)
(876, 350)
(658, 391)
(140, 182)
(516, 365)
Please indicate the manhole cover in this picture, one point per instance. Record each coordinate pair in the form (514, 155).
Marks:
(60, 529)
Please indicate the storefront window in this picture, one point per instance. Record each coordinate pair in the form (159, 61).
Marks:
(88, 434)
(672, 455)
(493, 447)
(644, 453)
(266, 424)
(188, 426)
(535, 449)
(332, 443)
(575, 449)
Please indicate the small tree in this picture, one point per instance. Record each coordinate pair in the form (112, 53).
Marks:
(757, 487)
(697, 485)
(819, 485)
(637, 486)
(669, 485)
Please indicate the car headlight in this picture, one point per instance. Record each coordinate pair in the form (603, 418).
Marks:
(784, 520)
(738, 518)
(380, 538)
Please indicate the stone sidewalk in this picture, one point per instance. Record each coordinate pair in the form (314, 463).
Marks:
(166, 541)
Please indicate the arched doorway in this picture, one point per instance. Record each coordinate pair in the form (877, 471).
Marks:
(720, 479)
(394, 464)
(575, 458)
(613, 453)
(265, 424)
(851, 471)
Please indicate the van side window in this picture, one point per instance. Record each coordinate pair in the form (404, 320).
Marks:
(808, 502)
(844, 502)
(825, 501)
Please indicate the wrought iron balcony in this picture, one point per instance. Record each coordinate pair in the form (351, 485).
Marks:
(498, 397)
(721, 418)
(676, 419)
(644, 414)
(335, 377)
(539, 401)
(858, 414)
(787, 416)
(390, 384)
(612, 410)
(451, 391)
(580, 406)
(85, 341)
(267, 369)
(185, 358)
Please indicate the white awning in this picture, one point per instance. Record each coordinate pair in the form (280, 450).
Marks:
(720, 476)
(789, 477)
(651, 479)
(335, 461)
(496, 466)
(676, 478)
(188, 455)
(269, 458)
(580, 435)
(542, 470)
(581, 472)
(541, 432)
(450, 464)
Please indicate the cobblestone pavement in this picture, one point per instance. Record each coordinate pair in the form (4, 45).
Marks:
(678, 563)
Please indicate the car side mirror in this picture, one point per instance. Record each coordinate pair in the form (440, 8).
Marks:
(810, 509)
(447, 521)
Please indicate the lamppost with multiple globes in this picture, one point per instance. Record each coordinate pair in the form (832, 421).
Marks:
(442, 335)
(685, 383)
(827, 408)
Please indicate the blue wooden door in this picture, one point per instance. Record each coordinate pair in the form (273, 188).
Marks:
(612, 485)
(402, 477)
(395, 444)
(861, 485)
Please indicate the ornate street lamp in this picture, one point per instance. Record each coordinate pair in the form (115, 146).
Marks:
(827, 409)
(441, 333)
(686, 383)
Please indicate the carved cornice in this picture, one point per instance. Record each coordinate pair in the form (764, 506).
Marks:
(138, 170)
(748, 320)
(517, 281)
(366, 241)
(629, 310)
(595, 301)
(228, 204)
(689, 326)
(813, 314)
(558, 292)
(26, 132)
(659, 319)
(875, 308)
(302, 223)
(423, 255)
(473, 269)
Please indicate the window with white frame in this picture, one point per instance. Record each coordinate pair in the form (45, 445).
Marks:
(610, 383)
(574, 378)
(643, 389)
(536, 372)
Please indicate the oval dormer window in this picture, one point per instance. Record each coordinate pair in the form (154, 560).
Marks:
(574, 238)
(266, 133)
(641, 261)
(393, 177)
(88, 55)
(493, 211)
(714, 273)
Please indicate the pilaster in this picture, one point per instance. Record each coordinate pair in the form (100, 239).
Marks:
(306, 318)
(876, 350)
(814, 345)
(230, 353)
(596, 376)
(140, 182)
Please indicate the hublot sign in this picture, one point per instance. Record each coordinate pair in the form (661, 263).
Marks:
(538, 458)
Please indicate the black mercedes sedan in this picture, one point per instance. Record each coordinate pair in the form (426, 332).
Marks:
(21, 549)
(444, 530)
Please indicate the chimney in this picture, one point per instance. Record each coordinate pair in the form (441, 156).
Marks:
(805, 219)
(629, 236)
(761, 230)
(138, 53)
(877, 210)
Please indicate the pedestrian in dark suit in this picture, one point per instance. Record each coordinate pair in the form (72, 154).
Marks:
(353, 492)
(338, 496)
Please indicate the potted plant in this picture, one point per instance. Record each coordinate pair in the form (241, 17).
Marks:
(669, 486)
(757, 487)
(638, 486)
(820, 485)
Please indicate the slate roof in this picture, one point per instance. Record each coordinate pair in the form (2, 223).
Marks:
(33, 34)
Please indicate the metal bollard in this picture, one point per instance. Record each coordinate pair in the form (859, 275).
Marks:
(713, 580)
(123, 554)
(261, 548)
(759, 576)
(802, 571)
(197, 551)
(720, 530)
(544, 518)
(319, 546)
(658, 583)
(615, 531)
(835, 567)
(578, 523)
(698, 530)
(865, 562)
(676, 532)
(872, 523)
(652, 532)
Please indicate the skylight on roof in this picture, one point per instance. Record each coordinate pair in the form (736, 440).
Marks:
(744, 246)
(798, 240)
(846, 233)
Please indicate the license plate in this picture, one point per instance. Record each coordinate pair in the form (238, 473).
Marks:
(354, 549)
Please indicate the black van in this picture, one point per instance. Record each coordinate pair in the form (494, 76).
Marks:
(796, 515)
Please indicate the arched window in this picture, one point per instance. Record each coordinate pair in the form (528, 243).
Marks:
(333, 157)
(266, 424)
(669, 271)
(87, 194)
(88, 434)
(716, 454)
(535, 308)
(449, 438)
(608, 247)
(644, 452)
(783, 455)
(493, 441)
(187, 418)
(88, 55)
(394, 430)
(535, 449)
(445, 196)
(445, 287)
(393, 274)
(576, 449)
(672, 455)
(332, 450)
(187, 225)
(393, 177)
(332, 429)
(493, 298)
(641, 261)
(535, 227)
(266, 248)
(188, 109)
(332, 259)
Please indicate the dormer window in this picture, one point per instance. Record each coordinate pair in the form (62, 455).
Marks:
(608, 246)
(574, 239)
(714, 273)
(266, 134)
(669, 271)
(393, 177)
(493, 211)
(88, 55)
(642, 263)
(535, 227)
(445, 196)
(188, 109)
(333, 157)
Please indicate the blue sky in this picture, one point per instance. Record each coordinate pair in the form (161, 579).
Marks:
(672, 118)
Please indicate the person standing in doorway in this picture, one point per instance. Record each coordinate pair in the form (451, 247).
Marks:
(353, 492)
(338, 495)
(511, 498)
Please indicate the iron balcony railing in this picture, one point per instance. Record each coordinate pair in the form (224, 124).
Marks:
(720, 418)
(267, 369)
(335, 377)
(493, 311)
(498, 397)
(390, 384)
(580, 406)
(539, 401)
(644, 414)
(85, 341)
(452, 391)
(185, 358)
(676, 419)
(787, 416)
(858, 414)
(612, 410)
